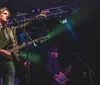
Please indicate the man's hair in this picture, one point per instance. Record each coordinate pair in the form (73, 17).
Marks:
(3, 9)
(53, 49)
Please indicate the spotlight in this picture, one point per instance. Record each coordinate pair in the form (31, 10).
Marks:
(63, 21)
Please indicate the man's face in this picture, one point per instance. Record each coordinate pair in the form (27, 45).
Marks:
(54, 53)
(4, 16)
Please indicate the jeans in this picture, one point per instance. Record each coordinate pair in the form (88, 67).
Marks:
(7, 71)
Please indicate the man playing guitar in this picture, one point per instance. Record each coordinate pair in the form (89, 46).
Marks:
(8, 37)
(53, 66)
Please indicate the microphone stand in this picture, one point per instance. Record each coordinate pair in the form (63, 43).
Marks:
(89, 69)
(28, 63)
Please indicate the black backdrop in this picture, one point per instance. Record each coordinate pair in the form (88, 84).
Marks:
(88, 32)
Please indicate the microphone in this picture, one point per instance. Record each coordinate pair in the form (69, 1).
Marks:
(11, 19)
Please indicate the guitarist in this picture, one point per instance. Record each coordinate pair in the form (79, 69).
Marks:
(7, 37)
(53, 66)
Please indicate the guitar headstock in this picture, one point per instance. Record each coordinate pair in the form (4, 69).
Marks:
(41, 39)
(69, 68)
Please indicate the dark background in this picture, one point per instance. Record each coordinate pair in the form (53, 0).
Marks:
(86, 46)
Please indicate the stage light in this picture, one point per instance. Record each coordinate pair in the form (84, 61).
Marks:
(63, 21)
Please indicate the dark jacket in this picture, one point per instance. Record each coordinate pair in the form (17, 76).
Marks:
(52, 63)
(5, 40)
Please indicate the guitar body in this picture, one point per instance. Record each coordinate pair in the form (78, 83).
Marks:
(16, 53)
(62, 79)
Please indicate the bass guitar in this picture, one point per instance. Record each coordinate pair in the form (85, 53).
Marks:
(61, 77)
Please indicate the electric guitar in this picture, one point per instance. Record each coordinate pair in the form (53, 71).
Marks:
(61, 77)
(16, 48)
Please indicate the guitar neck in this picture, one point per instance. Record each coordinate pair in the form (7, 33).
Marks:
(68, 70)
(41, 39)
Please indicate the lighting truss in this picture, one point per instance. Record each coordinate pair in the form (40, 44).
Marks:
(55, 12)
